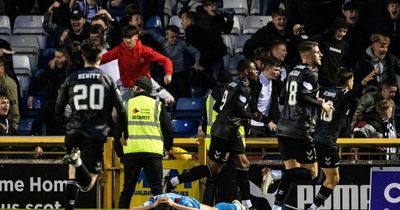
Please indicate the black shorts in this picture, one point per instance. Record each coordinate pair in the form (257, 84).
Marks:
(91, 150)
(220, 149)
(327, 156)
(302, 150)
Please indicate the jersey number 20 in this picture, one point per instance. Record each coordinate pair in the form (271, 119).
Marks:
(94, 92)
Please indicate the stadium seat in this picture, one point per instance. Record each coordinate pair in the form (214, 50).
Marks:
(26, 45)
(226, 59)
(240, 6)
(29, 24)
(175, 20)
(185, 128)
(168, 8)
(238, 42)
(255, 7)
(5, 37)
(236, 29)
(155, 24)
(25, 126)
(228, 43)
(189, 108)
(5, 26)
(197, 92)
(24, 81)
(22, 65)
(253, 23)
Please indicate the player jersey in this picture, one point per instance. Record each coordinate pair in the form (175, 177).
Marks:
(231, 105)
(328, 126)
(301, 104)
(179, 199)
(91, 94)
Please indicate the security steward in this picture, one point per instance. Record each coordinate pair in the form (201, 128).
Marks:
(150, 132)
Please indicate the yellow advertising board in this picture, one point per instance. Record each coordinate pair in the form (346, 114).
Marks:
(171, 167)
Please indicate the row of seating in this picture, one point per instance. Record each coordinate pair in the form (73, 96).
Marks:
(186, 116)
(241, 25)
(241, 7)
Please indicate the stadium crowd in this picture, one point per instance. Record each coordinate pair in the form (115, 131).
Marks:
(213, 42)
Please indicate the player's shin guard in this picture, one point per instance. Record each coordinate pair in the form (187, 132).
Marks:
(243, 183)
(83, 176)
(71, 194)
(323, 194)
(195, 173)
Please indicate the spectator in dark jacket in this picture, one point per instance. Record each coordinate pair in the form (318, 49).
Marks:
(212, 48)
(56, 18)
(8, 86)
(377, 57)
(357, 35)
(112, 29)
(210, 19)
(389, 25)
(275, 30)
(55, 74)
(334, 50)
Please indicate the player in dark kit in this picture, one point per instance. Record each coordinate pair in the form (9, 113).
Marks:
(91, 95)
(296, 125)
(231, 104)
(328, 128)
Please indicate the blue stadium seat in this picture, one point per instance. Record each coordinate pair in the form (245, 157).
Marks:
(189, 108)
(24, 126)
(29, 24)
(185, 128)
(26, 45)
(253, 23)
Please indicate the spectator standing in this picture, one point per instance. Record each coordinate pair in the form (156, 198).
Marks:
(357, 35)
(57, 18)
(91, 95)
(134, 60)
(6, 127)
(335, 50)
(9, 87)
(112, 29)
(277, 29)
(212, 49)
(51, 80)
(390, 25)
(279, 51)
(74, 35)
(150, 131)
(175, 49)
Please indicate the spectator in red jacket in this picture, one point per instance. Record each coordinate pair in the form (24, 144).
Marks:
(134, 60)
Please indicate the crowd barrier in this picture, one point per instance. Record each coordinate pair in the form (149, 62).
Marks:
(107, 195)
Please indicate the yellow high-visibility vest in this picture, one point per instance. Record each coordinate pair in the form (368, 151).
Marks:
(144, 126)
(211, 116)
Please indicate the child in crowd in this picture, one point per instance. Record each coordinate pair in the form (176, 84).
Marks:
(175, 48)
(6, 127)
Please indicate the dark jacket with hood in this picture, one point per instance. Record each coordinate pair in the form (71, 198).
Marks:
(264, 38)
(334, 53)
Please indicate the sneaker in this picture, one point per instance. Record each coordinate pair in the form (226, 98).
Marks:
(167, 186)
(239, 205)
(266, 180)
(72, 157)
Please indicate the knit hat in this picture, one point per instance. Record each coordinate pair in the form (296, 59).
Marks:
(350, 6)
(339, 23)
(76, 14)
(144, 83)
